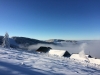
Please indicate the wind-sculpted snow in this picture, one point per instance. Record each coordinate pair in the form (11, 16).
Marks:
(57, 52)
(61, 53)
(19, 62)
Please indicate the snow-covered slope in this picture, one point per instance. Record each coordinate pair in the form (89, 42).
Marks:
(18, 62)
(61, 53)
(90, 60)
(77, 56)
(57, 52)
(83, 57)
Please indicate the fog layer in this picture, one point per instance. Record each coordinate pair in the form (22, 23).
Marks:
(90, 47)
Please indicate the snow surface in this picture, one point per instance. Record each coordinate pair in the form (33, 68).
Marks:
(19, 62)
(95, 61)
(78, 57)
(90, 60)
(57, 52)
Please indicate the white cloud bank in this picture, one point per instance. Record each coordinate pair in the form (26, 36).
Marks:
(90, 47)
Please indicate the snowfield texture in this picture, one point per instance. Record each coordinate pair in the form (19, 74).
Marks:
(81, 56)
(19, 62)
(57, 52)
(77, 56)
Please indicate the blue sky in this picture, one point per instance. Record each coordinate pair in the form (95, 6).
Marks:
(51, 19)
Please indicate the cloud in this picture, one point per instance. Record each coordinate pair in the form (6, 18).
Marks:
(90, 47)
(93, 48)
(71, 48)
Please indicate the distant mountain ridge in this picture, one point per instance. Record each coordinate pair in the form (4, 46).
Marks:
(23, 42)
(59, 40)
(29, 41)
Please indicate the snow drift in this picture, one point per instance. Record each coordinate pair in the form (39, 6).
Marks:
(77, 56)
(81, 56)
(59, 52)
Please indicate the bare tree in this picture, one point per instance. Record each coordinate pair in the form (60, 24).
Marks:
(6, 42)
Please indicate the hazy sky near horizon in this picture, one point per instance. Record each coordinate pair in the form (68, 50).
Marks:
(51, 19)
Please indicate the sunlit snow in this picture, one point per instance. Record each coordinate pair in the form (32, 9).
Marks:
(19, 62)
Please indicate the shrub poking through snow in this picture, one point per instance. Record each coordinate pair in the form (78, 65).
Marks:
(6, 42)
(43, 49)
(67, 54)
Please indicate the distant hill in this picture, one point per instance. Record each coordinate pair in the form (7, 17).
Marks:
(13, 44)
(1, 40)
(23, 42)
(60, 40)
(29, 41)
